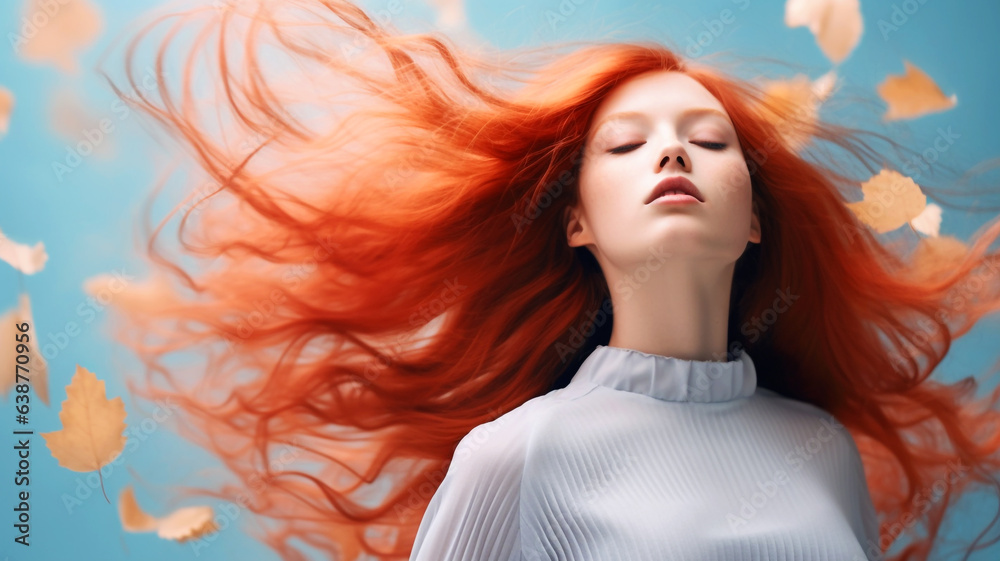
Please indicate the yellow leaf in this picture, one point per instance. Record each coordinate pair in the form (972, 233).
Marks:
(797, 101)
(836, 24)
(936, 256)
(913, 94)
(6, 106)
(147, 296)
(93, 426)
(183, 524)
(28, 260)
(890, 200)
(133, 518)
(56, 30)
(37, 367)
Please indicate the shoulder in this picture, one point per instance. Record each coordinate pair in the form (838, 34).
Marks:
(504, 441)
(812, 423)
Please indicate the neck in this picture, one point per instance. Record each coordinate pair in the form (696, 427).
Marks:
(681, 309)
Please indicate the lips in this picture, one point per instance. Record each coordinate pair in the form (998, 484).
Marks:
(675, 183)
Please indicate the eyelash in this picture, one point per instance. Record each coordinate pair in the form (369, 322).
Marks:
(706, 145)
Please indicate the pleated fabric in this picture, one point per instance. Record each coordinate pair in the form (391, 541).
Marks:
(646, 457)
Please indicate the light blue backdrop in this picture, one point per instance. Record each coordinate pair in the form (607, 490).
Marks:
(87, 217)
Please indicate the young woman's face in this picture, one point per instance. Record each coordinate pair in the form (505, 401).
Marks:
(651, 127)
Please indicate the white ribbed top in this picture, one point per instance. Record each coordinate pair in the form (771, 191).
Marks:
(646, 457)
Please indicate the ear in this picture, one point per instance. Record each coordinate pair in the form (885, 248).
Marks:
(754, 223)
(577, 233)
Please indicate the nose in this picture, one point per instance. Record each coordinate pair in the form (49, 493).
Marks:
(676, 156)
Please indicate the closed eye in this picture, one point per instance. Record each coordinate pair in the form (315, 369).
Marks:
(625, 148)
(711, 145)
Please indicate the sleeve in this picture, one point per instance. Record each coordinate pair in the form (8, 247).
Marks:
(475, 513)
(867, 517)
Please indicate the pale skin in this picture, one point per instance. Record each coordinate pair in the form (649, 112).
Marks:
(669, 267)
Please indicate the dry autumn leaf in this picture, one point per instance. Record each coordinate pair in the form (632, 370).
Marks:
(890, 200)
(52, 32)
(936, 256)
(836, 24)
(93, 426)
(797, 101)
(913, 94)
(38, 367)
(28, 260)
(6, 106)
(183, 524)
(147, 296)
(928, 222)
(69, 114)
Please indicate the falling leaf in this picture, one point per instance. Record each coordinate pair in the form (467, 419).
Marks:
(836, 24)
(913, 94)
(183, 524)
(133, 518)
(28, 260)
(796, 102)
(890, 200)
(936, 256)
(73, 120)
(928, 222)
(38, 367)
(93, 426)
(53, 32)
(143, 297)
(6, 106)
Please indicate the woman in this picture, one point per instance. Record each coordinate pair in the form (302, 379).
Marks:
(489, 331)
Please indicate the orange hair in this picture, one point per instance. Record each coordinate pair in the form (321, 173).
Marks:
(387, 268)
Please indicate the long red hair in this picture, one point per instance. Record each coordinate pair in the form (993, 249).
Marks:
(383, 266)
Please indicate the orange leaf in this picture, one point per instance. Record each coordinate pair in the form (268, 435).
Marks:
(6, 106)
(183, 524)
(38, 367)
(936, 256)
(93, 426)
(797, 101)
(912, 95)
(836, 24)
(890, 200)
(133, 518)
(56, 30)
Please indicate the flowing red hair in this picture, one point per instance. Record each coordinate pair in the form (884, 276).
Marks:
(384, 267)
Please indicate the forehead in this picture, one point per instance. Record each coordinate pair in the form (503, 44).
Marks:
(658, 93)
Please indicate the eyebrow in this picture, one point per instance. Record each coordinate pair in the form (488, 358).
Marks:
(690, 113)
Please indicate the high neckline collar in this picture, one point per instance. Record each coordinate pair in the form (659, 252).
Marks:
(669, 378)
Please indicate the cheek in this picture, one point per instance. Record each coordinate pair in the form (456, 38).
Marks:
(734, 182)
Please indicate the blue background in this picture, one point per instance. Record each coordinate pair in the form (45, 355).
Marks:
(87, 218)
